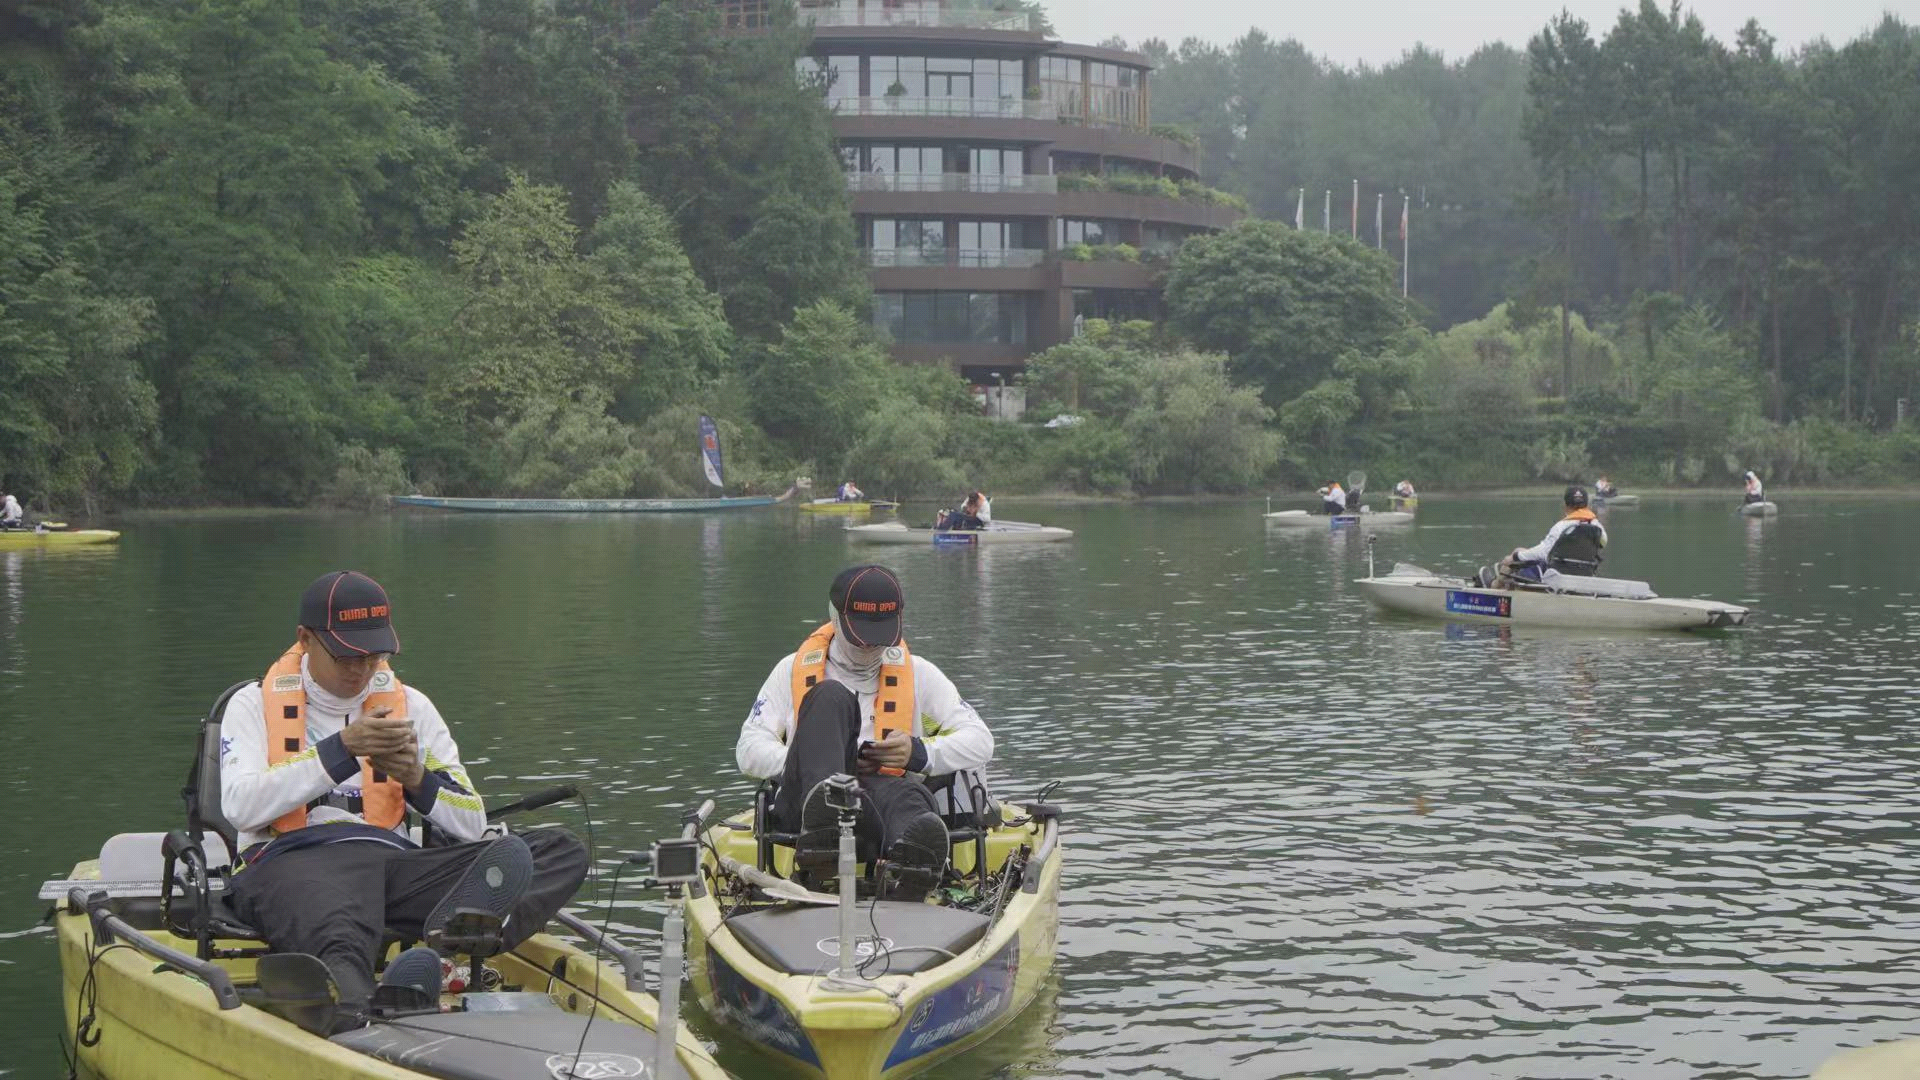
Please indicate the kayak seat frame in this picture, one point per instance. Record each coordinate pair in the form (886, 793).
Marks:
(203, 911)
(968, 825)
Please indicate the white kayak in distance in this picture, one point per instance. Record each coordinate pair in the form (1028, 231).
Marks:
(998, 532)
(1759, 509)
(1305, 519)
(1618, 502)
(1593, 603)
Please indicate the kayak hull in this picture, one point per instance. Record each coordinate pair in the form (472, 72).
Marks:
(1759, 509)
(1302, 519)
(154, 1022)
(22, 540)
(896, 533)
(1618, 502)
(834, 506)
(906, 1023)
(585, 506)
(1458, 600)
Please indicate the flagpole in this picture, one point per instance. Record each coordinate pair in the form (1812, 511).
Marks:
(1353, 229)
(1326, 213)
(1379, 229)
(1404, 263)
(1300, 210)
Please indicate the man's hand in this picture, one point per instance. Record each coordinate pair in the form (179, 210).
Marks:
(402, 765)
(892, 752)
(377, 733)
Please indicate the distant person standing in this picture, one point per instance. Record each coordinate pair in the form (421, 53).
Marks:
(11, 516)
(1755, 491)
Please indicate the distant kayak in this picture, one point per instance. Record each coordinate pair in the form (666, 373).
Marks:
(1618, 502)
(1300, 519)
(1581, 603)
(587, 506)
(1000, 532)
(28, 539)
(1759, 509)
(835, 506)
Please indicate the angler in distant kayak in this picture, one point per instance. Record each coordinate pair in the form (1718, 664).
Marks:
(1756, 492)
(1573, 546)
(973, 514)
(849, 492)
(1333, 501)
(320, 763)
(1603, 489)
(11, 516)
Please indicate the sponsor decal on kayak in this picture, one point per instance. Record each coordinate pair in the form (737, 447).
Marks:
(1473, 603)
(961, 1009)
(756, 1014)
(954, 539)
(1345, 519)
(595, 1066)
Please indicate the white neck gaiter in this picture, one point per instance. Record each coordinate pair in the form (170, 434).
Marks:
(856, 666)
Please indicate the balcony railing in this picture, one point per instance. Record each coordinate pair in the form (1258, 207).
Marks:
(969, 258)
(988, 183)
(917, 15)
(975, 108)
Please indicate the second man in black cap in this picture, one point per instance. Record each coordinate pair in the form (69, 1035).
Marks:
(854, 699)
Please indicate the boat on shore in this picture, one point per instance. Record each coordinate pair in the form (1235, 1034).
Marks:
(589, 506)
(1592, 603)
(998, 532)
(1759, 509)
(835, 506)
(1306, 519)
(915, 982)
(33, 539)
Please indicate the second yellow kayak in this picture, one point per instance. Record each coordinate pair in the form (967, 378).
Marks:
(27, 539)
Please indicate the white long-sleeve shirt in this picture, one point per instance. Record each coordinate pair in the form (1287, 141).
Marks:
(254, 794)
(952, 732)
(1539, 552)
(10, 510)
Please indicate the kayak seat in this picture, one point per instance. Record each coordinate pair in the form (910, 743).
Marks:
(955, 795)
(802, 939)
(487, 1044)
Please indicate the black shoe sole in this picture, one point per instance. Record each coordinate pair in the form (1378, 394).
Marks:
(494, 883)
(918, 857)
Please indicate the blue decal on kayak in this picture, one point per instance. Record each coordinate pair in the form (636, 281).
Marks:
(756, 1014)
(1474, 603)
(954, 539)
(1344, 519)
(959, 1010)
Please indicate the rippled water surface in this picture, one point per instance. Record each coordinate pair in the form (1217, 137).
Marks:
(1308, 840)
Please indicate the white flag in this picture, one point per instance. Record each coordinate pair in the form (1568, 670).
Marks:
(1300, 211)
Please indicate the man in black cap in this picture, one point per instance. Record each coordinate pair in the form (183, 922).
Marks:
(320, 762)
(1572, 546)
(854, 699)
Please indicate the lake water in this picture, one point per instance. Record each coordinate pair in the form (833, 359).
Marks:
(1307, 839)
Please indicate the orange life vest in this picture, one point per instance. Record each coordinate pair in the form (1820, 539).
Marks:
(892, 706)
(283, 702)
(1582, 514)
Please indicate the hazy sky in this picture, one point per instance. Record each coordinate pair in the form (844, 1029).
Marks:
(1377, 32)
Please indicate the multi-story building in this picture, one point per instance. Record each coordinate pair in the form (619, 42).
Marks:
(1005, 184)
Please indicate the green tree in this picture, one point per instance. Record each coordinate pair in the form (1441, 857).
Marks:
(1284, 304)
(1566, 126)
(812, 390)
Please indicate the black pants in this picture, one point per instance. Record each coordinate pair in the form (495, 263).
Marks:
(337, 901)
(826, 740)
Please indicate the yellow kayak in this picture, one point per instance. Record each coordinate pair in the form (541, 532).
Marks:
(835, 506)
(27, 539)
(938, 979)
(148, 1019)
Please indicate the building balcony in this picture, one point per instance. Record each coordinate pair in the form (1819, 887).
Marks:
(964, 258)
(965, 108)
(918, 15)
(968, 183)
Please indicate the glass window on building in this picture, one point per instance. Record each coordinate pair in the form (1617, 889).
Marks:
(907, 241)
(907, 72)
(836, 77)
(952, 318)
(1116, 305)
(997, 161)
(1061, 82)
(948, 77)
(1088, 231)
(889, 160)
(998, 80)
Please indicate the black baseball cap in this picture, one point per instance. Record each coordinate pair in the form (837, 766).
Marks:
(869, 601)
(350, 613)
(1576, 496)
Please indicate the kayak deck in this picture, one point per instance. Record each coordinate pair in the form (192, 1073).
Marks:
(1457, 599)
(894, 532)
(26, 539)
